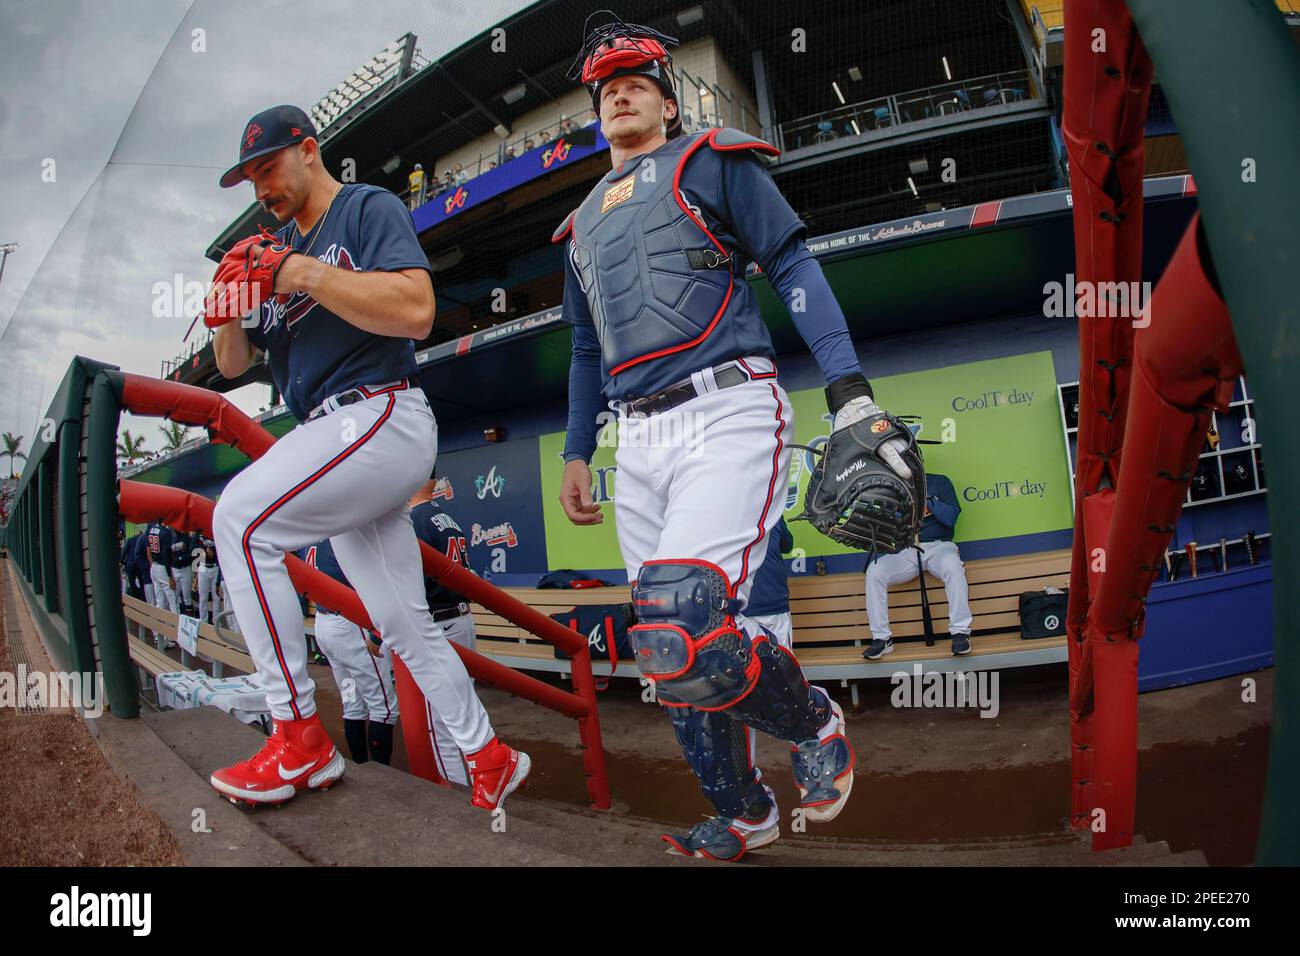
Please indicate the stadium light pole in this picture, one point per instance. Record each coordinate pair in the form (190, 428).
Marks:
(5, 249)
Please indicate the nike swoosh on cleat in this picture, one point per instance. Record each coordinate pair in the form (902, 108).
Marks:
(290, 774)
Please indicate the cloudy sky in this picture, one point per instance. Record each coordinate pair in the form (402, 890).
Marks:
(113, 130)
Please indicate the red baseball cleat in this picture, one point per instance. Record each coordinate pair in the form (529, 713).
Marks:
(298, 754)
(496, 771)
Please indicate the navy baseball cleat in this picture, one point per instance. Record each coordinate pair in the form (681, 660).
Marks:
(724, 839)
(960, 644)
(878, 649)
(823, 769)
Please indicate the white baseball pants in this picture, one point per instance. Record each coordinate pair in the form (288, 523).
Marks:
(346, 475)
(208, 594)
(940, 558)
(365, 681)
(707, 479)
(459, 630)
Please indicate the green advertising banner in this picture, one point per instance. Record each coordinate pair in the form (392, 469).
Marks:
(1002, 446)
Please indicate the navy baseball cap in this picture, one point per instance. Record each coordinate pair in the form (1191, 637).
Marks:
(269, 130)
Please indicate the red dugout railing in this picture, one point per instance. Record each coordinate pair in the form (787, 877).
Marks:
(225, 423)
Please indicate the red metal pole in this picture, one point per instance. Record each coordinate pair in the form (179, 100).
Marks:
(186, 511)
(593, 754)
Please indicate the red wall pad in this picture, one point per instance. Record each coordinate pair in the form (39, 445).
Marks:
(1106, 89)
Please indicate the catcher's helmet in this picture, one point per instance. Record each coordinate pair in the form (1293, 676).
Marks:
(622, 49)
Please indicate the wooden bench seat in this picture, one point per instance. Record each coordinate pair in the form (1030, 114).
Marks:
(830, 622)
(227, 648)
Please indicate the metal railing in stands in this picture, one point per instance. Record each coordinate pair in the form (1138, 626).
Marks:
(898, 109)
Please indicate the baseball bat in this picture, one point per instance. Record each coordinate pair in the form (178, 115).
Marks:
(926, 622)
(1190, 548)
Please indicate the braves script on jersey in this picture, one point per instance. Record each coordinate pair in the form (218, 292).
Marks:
(314, 353)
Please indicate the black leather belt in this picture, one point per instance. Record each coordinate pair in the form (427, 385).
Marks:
(447, 613)
(724, 376)
(354, 395)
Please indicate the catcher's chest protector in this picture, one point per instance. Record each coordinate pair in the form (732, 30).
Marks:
(656, 282)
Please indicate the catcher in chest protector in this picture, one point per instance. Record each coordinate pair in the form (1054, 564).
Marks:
(667, 334)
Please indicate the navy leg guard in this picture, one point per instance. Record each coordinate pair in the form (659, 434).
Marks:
(687, 641)
(782, 703)
(717, 748)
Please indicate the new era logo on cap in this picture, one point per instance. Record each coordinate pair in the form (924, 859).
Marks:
(269, 130)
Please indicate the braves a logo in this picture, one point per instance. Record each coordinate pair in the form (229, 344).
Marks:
(456, 200)
(491, 483)
(556, 154)
(251, 134)
(443, 489)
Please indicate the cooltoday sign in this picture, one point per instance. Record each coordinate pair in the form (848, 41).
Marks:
(1001, 445)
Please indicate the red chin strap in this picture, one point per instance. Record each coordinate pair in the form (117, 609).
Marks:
(621, 53)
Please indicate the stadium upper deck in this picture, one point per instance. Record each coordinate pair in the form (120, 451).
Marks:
(882, 110)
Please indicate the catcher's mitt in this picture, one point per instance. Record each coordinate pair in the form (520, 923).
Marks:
(856, 499)
(244, 280)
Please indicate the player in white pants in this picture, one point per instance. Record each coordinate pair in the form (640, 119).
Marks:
(209, 603)
(347, 289)
(158, 548)
(667, 334)
(439, 530)
(365, 680)
(938, 556)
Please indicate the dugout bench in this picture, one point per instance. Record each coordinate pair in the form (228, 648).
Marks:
(830, 623)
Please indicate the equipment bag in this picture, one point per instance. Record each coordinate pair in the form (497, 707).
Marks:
(1042, 613)
(605, 627)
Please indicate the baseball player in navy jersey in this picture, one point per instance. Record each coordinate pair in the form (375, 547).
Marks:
(440, 531)
(158, 549)
(335, 298)
(667, 333)
(364, 678)
(140, 555)
(183, 570)
(208, 575)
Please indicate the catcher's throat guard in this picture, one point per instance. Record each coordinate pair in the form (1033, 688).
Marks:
(856, 499)
(687, 641)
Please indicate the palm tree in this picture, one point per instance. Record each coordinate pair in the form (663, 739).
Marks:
(130, 448)
(174, 435)
(11, 445)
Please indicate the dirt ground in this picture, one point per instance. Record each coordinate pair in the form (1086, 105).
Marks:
(60, 802)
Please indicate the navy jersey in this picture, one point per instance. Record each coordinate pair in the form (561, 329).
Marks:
(209, 547)
(771, 591)
(312, 352)
(321, 557)
(439, 530)
(181, 550)
(158, 543)
(941, 499)
(127, 557)
(741, 206)
(140, 553)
